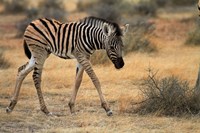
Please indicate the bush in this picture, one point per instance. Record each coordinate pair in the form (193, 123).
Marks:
(47, 9)
(145, 8)
(4, 64)
(137, 38)
(183, 2)
(21, 26)
(52, 9)
(194, 36)
(106, 9)
(161, 3)
(1, 1)
(168, 96)
(15, 6)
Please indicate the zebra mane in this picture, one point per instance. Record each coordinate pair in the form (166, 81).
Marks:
(115, 25)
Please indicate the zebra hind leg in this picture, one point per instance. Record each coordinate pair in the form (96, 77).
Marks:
(23, 71)
(41, 57)
(37, 81)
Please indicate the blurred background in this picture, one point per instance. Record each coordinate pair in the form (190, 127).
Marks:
(142, 15)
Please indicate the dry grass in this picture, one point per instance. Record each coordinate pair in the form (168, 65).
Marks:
(119, 87)
(3, 62)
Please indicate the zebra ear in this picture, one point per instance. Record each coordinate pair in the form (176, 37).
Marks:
(124, 29)
(106, 29)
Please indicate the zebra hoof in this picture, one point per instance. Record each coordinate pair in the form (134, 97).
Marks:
(109, 113)
(8, 110)
(71, 107)
(11, 106)
(50, 114)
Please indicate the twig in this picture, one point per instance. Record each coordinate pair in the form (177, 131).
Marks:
(145, 100)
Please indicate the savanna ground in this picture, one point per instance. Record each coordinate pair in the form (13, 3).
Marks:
(119, 87)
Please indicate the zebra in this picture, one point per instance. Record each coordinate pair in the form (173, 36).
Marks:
(75, 40)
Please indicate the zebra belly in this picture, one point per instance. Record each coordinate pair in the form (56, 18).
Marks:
(65, 56)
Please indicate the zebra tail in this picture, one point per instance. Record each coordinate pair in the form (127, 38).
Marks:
(26, 50)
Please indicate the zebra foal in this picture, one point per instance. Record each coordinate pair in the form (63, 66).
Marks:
(69, 40)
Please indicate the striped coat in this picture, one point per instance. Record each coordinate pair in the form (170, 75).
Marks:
(69, 40)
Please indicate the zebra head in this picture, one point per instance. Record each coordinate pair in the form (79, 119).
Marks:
(113, 43)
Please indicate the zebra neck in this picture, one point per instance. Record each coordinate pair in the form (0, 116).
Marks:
(99, 40)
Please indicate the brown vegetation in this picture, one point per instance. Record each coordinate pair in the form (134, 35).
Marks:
(3, 62)
(168, 96)
(194, 35)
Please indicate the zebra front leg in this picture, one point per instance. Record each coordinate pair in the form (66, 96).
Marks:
(23, 71)
(88, 68)
(78, 80)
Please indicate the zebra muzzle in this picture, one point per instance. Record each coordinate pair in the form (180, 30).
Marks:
(119, 63)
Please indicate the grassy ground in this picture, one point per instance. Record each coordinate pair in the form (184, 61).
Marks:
(119, 87)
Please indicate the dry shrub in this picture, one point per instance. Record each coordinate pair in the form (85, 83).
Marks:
(46, 9)
(4, 64)
(137, 39)
(183, 2)
(194, 35)
(106, 9)
(85, 5)
(31, 15)
(169, 96)
(145, 7)
(162, 3)
(15, 6)
(52, 9)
